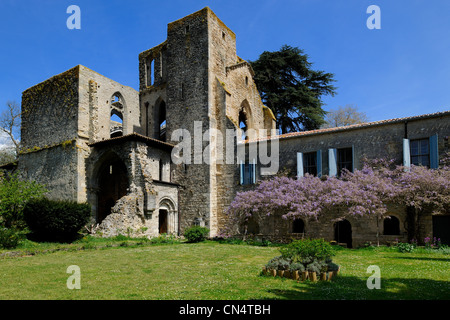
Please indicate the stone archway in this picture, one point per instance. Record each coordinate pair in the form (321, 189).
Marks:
(343, 232)
(167, 217)
(113, 184)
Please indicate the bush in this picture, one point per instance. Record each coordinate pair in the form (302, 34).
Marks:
(296, 266)
(332, 266)
(196, 234)
(405, 247)
(9, 238)
(306, 254)
(14, 195)
(279, 263)
(56, 220)
(300, 250)
(164, 239)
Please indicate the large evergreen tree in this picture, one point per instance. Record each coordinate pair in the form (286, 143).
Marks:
(291, 89)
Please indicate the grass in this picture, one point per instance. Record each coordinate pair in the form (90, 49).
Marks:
(137, 269)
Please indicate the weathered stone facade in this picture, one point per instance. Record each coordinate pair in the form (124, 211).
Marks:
(374, 140)
(194, 81)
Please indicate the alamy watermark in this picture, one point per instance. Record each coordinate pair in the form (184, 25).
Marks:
(74, 281)
(212, 147)
(374, 21)
(374, 281)
(74, 20)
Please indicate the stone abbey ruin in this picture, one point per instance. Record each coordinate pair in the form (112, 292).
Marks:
(91, 139)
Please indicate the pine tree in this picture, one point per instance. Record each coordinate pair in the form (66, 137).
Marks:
(291, 89)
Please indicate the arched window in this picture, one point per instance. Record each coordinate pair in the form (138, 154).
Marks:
(116, 116)
(391, 226)
(298, 226)
(162, 123)
(243, 124)
(245, 120)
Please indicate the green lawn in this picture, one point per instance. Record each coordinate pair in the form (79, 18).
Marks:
(214, 271)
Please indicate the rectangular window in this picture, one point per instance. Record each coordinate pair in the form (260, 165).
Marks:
(344, 160)
(310, 163)
(420, 152)
(248, 173)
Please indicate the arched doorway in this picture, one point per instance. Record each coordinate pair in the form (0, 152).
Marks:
(391, 226)
(343, 232)
(113, 184)
(298, 226)
(162, 221)
(167, 216)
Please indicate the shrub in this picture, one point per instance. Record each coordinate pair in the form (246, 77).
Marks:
(9, 238)
(299, 250)
(56, 220)
(405, 247)
(279, 263)
(196, 233)
(313, 267)
(332, 266)
(296, 266)
(164, 239)
(14, 195)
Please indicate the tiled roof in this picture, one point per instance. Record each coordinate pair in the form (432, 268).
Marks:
(357, 126)
(134, 136)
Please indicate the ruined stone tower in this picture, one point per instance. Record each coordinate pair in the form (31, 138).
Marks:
(196, 82)
(91, 139)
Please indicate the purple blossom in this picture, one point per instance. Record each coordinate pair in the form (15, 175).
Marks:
(364, 192)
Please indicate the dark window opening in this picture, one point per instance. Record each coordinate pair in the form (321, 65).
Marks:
(250, 226)
(113, 185)
(344, 160)
(146, 118)
(343, 233)
(162, 221)
(298, 226)
(420, 152)
(391, 226)
(310, 163)
(182, 91)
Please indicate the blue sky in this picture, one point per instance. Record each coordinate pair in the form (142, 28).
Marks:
(401, 70)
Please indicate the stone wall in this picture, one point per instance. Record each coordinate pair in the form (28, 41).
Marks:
(137, 212)
(50, 111)
(380, 140)
(55, 167)
(48, 134)
(375, 140)
(187, 101)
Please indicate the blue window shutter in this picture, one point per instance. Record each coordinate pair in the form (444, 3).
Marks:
(332, 162)
(406, 153)
(434, 152)
(241, 170)
(299, 165)
(319, 163)
(254, 171)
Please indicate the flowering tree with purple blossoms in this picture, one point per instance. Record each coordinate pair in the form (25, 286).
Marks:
(365, 192)
(424, 191)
